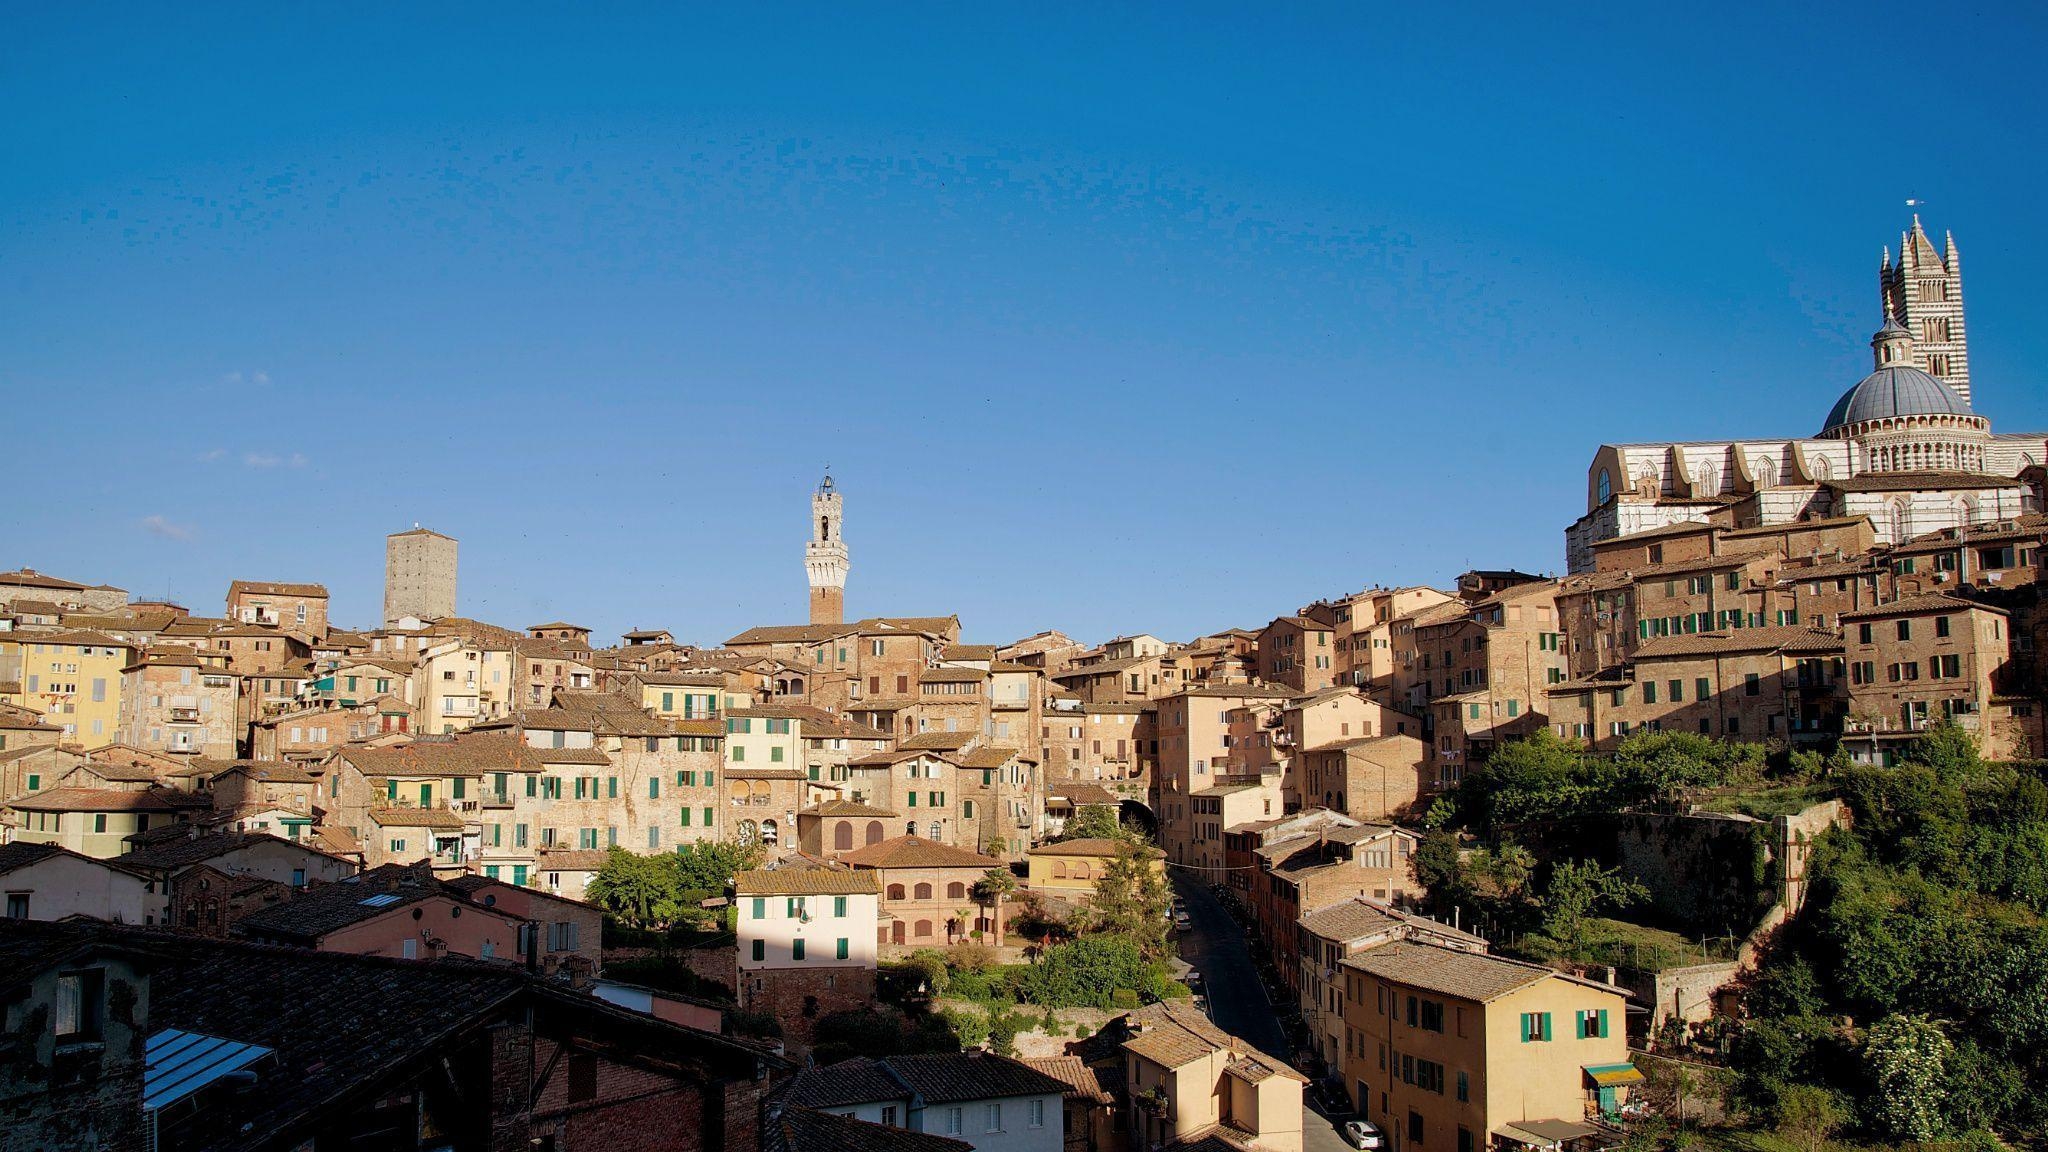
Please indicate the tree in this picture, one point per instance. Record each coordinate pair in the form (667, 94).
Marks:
(1131, 898)
(1903, 1059)
(1577, 889)
(993, 888)
(634, 889)
(1809, 1114)
(1670, 767)
(1094, 822)
(1091, 971)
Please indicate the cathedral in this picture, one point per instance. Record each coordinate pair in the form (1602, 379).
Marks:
(1902, 446)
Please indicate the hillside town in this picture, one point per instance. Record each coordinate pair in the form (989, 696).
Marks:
(1675, 840)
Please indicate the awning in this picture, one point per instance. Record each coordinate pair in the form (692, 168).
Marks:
(1545, 1133)
(1613, 1075)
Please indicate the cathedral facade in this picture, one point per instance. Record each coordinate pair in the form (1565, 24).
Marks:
(1902, 446)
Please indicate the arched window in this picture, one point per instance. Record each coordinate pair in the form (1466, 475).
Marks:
(1082, 871)
(895, 891)
(910, 828)
(1901, 521)
(768, 832)
(922, 892)
(842, 837)
(1059, 869)
(875, 832)
(924, 929)
(1603, 488)
(956, 891)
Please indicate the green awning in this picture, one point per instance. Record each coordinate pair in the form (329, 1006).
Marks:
(1613, 1075)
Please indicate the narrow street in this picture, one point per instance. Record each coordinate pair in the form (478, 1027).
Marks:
(1237, 1000)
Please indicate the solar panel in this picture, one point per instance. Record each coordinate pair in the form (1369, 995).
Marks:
(176, 1064)
(380, 900)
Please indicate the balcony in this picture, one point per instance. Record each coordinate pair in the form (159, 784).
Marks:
(1009, 701)
(184, 715)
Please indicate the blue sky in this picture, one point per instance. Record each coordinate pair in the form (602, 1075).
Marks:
(1161, 318)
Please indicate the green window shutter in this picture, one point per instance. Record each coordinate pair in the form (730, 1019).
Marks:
(654, 787)
(1546, 1025)
(1601, 1024)
(760, 949)
(913, 800)
(839, 909)
(611, 787)
(531, 784)
(391, 789)
(796, 950)
(668, 701)
(1579, 1025)
(841, 953)
(686, 818)
(739, 753)
(1700, 689)
(707, 816)
(461, 786)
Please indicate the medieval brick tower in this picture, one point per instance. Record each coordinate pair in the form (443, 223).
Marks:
(825, 558)
(1924, 293)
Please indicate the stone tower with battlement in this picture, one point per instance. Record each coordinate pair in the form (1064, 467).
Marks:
(825, 559)
(1923, 291)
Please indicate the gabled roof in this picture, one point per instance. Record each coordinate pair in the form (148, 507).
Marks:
(803, 1130)
(806, 882)
(939, 741)
(1466, 975)
(916, 852)
(164, 849)
(856, 1081)
(274, 588)
(1773, 638)
(467, 754)
(846, 808)
(1919, 605)
(322, 909)
(952, 1077)
(108, 800)
(22, 853)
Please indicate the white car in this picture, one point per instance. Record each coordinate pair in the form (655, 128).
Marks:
(1182, 922)
(1363, 1134)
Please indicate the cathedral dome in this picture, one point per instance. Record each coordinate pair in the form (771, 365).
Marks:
(1898, 390)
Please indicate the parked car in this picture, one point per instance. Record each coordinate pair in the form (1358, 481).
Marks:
(1183, 923)
(1363, 1134)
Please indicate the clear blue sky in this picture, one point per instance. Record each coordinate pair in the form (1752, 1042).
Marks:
(1165, 318)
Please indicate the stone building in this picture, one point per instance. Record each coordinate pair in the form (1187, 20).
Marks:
(1904, 446)
(300, 608)
(928, 891)
(1927, 658)
(825, 557)
(1297, 651)
(807, 941)
(419, 575)
(182, 703)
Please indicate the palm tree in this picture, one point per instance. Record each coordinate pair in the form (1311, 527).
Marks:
(993, 889)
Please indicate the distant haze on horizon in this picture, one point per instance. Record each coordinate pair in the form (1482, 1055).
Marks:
(1105, 320)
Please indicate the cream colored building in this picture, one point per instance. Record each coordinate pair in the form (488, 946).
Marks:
(1446, 1049)
(1185, 1079)
(72, 678)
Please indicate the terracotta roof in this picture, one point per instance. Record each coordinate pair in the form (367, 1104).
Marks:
(1081, 793)
(1243, 691)
(438, 819)
(30, 578)
(571, 859)
(952, 676)
(806, 882)
(184, 845)
(987, 757)
(939, 741)
(1089, 846)
(1915, 605)
(21, 854)
(952, 1077)
(1681, 528)
(916, 852)
(469, 754)
(1466, 975)
(316, 911)
(1362, 916)
(682, 679)
(791, 634)
(1786, 637)
(856, 1081)
(1920, 482)
(846, 808)
(1175, 1034)
(595, 756)
(107, 800)
(1081, 1080)
(272, 588)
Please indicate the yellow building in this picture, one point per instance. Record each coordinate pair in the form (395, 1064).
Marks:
(684, 695)
(1460, 1051)
(1188, 1079)
(73, 678)
(1075, 865)
(764, 736)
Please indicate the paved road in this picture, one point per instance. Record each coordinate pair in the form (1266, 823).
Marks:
(1237, 1000)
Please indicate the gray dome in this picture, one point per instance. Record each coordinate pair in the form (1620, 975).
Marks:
(1895, 391)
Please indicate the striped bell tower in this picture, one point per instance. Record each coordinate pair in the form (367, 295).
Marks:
(1923, 291)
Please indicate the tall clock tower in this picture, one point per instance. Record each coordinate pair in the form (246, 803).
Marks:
(825, 560)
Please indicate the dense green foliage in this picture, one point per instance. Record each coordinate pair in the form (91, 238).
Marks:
(1924, 926)
(1086, 973)
(1544, 778)
(1094, 822)
(1131, 898)
(669, 888)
